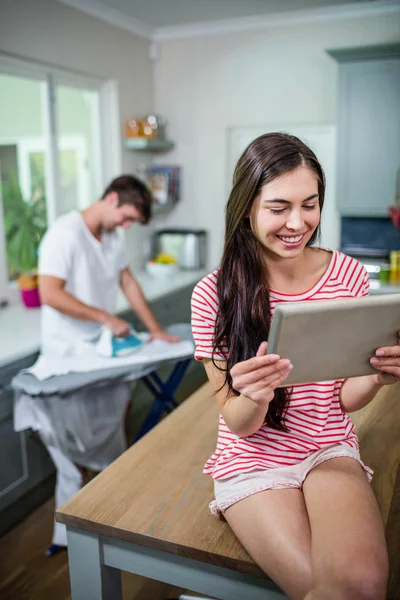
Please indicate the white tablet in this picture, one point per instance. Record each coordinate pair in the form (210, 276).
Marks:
(333, 339)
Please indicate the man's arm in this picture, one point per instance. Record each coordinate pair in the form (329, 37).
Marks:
(138, 302)
(53, 293)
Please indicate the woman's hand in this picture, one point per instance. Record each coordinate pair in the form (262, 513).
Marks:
(387, 360)
(258, 377)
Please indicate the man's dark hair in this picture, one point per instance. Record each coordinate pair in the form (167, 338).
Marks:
(132, 191)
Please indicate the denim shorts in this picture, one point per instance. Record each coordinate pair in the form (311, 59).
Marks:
(231, 490)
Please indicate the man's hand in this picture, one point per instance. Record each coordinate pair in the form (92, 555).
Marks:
(137, 301)
(117, 326)
(163, 335)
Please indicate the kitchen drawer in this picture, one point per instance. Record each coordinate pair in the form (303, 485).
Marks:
(13, 470)
(6, 403)
(7, 372)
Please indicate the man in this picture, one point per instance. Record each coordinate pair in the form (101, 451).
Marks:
(82, 264)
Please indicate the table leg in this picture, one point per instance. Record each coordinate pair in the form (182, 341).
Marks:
(90, 578)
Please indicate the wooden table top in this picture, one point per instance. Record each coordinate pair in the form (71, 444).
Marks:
(149, 497)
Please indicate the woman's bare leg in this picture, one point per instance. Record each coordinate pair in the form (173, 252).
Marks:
(349, 557)
(273, 526)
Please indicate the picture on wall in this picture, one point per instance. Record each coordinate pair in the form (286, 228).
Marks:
(164, 183)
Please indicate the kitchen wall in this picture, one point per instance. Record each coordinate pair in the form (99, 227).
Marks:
(55, 34)
(206, 85)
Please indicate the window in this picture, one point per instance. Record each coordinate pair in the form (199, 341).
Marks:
(56, 154)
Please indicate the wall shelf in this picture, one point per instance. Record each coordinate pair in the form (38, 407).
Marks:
(145, 145)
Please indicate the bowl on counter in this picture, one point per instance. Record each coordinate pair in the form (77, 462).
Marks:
(161, 270)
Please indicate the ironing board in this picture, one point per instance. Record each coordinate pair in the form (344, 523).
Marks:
(64, 386)
(162, 391)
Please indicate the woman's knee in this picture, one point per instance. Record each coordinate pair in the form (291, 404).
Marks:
(296, 581)
(362, 578)
(367, 580)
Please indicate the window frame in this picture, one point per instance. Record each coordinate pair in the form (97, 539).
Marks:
(108, 159)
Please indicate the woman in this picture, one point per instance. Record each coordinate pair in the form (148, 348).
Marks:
(287, 472)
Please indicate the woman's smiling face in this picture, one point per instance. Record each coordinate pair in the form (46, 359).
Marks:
(286, 213)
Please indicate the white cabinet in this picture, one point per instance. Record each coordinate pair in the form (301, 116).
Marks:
(368, 131)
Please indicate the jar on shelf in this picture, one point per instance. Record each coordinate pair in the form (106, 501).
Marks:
(158, 123)
(148, 131)
(134, 128)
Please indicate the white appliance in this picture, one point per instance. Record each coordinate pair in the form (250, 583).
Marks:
(187, 246)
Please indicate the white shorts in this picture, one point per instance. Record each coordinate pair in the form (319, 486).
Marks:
(231, 490)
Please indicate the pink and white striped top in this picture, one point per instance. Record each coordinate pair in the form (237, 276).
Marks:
(314, 416)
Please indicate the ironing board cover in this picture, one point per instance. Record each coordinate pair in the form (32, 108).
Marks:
(64, 385)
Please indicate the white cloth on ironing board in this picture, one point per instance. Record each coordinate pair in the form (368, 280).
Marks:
(68, 483)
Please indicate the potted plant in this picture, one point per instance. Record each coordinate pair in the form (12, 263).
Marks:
(25, 223)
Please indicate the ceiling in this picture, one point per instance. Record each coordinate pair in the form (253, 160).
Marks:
(161, 13)
(155, 16)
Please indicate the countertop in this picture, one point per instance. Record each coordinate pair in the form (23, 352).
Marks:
(20, 326)
(384, 288)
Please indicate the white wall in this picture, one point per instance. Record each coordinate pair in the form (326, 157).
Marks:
(55, 34)
(207, 85)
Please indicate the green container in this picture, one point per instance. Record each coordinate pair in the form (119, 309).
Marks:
(384, 274)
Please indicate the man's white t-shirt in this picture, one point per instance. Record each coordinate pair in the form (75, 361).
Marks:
(91, 270)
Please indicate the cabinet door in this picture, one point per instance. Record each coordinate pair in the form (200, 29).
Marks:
(174, 308)
(25, 464)
(369, 136)
(13, 466)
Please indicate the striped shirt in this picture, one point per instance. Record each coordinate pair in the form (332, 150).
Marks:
(314, 416)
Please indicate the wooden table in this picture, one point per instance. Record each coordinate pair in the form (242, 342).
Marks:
(148, 514)
(378, 429)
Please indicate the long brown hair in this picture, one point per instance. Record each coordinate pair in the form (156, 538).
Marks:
(244, 313)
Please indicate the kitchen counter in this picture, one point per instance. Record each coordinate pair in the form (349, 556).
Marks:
(20, 326)
(385, 288)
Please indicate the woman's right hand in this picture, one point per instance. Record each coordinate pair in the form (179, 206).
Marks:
(258, 377)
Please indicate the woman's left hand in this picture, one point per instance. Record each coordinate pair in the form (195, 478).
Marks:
(387, 361)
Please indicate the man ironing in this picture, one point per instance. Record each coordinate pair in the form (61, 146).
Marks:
(82, 263)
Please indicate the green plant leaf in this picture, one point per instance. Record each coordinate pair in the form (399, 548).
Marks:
(25, 224)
